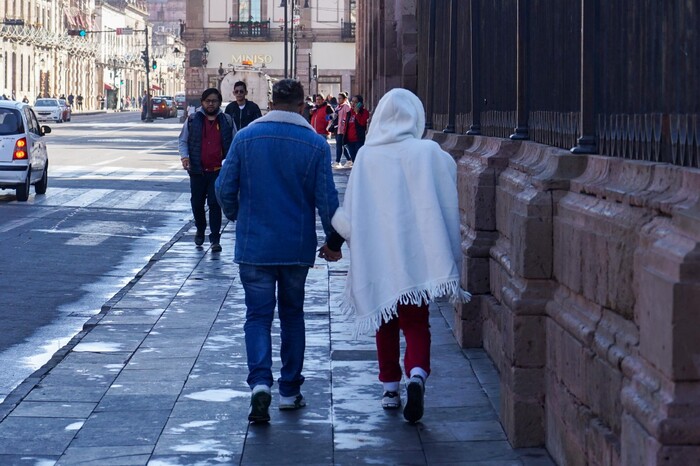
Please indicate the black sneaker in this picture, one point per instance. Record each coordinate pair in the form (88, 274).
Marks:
(259, 407)
(216, 247)
(199, 238)
(414, 404)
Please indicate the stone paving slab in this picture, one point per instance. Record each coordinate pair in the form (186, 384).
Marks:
(159, 379)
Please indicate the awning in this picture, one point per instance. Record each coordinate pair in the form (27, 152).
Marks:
(108, 87)
(155, 87)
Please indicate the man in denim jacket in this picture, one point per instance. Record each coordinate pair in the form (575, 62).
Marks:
(277, 174)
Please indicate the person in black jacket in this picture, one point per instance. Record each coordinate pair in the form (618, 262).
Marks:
(203, 144)
(242, 110)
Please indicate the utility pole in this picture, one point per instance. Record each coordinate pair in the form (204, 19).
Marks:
(149, 107)
(292, 64)
(286, 39)
(308, 89)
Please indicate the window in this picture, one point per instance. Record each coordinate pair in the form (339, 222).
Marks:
(249, 10)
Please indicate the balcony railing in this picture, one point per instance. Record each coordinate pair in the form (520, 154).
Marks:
(347, 30)
(249, 28)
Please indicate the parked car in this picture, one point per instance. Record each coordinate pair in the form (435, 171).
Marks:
(23, 156)
(67, 111)
(180, 101)
(163, 107)
(171, 104)
(49, 110)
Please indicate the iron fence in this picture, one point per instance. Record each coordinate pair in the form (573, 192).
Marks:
(239, 29)
(621, 75)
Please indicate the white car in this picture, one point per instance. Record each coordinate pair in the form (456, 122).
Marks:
(23, 156)
(49, 110)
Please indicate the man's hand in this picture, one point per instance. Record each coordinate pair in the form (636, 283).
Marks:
(185, 163)
(331, 256)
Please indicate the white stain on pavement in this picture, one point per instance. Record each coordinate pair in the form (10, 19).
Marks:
(75, 426)
(205, 446)
(222, 395)
(204, 425)
(97, 347)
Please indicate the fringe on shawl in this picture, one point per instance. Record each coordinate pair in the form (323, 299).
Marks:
(373, 321)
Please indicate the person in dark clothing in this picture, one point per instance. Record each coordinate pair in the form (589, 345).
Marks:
(203, 144)
(308, 107)
(242, 110)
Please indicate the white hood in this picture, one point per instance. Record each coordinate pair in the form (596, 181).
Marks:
(398, 116)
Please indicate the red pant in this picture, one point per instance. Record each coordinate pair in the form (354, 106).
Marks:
(413, 321)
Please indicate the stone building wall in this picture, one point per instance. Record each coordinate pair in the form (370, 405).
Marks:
(584, 269)
(586, 279)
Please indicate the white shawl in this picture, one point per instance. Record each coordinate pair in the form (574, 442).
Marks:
(400, 217)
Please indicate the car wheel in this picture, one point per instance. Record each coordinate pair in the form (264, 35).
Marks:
(43, 183)
(23, 189)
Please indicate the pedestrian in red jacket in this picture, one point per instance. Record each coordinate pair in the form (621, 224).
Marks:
(356, 126)
(319, 116)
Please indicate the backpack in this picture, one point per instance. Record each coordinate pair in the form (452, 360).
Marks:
(333, 124)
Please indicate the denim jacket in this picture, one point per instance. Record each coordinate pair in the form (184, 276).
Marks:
(277, 173)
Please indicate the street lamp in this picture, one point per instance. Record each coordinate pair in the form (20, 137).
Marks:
(205, 54)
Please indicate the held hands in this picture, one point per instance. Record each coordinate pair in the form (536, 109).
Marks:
(331, 256)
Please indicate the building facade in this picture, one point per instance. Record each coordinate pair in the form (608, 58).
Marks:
(168, 18)
(37, 57)
(574, 125)
(44, 54)
(315, 44)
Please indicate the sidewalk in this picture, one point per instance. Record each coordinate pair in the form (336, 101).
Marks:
(158, 378)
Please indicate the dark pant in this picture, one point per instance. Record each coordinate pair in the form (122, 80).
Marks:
(339, 148)
(202, 189)
(352, 148)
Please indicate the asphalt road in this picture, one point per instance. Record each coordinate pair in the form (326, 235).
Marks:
(116, 194)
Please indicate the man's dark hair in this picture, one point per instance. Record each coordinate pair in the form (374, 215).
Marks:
(288, 92)
(241, 83)
(210, 91)
(359, 98)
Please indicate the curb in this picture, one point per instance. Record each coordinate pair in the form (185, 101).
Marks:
(22, 390)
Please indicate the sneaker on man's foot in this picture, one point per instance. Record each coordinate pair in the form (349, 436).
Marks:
(348, 164)
(391, 400)
(199, 238)
(216, 247)
(292, 402)
(414, 403)
(259, 406)
(337, 165)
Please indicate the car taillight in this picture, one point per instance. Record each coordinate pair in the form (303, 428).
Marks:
(20, 152)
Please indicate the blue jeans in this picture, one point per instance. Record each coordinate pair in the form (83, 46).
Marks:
(260, 283)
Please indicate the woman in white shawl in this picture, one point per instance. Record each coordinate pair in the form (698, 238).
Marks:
(400, 218)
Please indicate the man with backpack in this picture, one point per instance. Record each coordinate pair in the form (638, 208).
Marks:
(203, 144)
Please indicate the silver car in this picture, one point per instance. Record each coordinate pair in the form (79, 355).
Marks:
(23, 156)
(49, 110)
